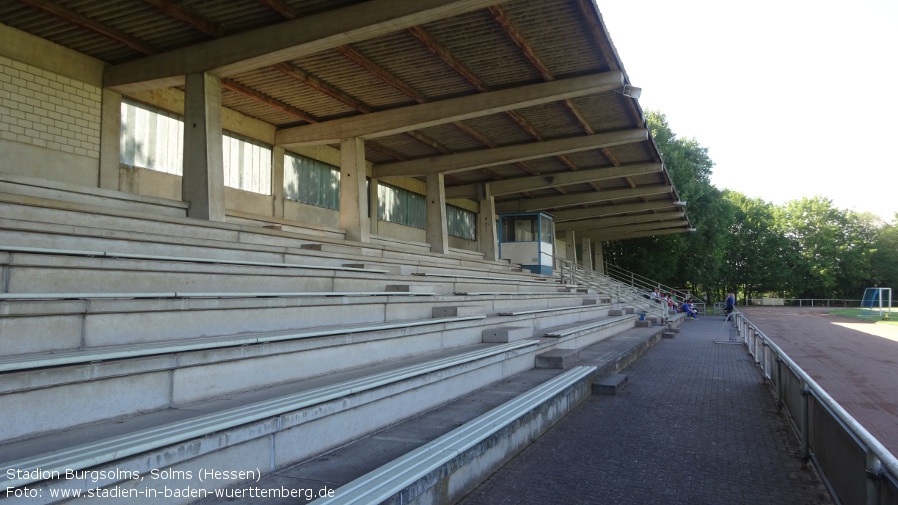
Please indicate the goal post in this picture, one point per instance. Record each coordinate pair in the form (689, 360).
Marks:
(878, 298)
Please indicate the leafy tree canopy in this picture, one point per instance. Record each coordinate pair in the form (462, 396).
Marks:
(806, 248)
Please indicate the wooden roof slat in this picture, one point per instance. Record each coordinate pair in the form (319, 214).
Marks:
(178, 11)
(90, 24)
(507, 154)
(554, 202)
(281, 7)
(273, 102)
(282, 42)
(390, 122)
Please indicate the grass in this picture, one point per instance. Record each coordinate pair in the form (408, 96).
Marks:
(869, 315)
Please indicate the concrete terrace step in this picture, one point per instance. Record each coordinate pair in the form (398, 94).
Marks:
(34, 270)
(55, 325)
(31, 252)
(257, 420)
(59, 224)
(450, 456)
(94, 355)
(137, 246)
(588, 326)
(539, 311)
(542, 280)
(190, 295)
(357, 462)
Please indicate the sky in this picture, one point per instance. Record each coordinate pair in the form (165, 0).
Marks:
(792, 98)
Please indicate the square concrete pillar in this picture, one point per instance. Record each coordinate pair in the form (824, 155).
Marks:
(353, 194)
(110, 139)
(373, 203)
(277, 181)
(570, 241)
(202, 185)
(598, 263)
(586, 253)
(437, 230)
(487, 237)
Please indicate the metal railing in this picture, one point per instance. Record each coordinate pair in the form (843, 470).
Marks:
(805, 302)
(857, 468)
(620, 292)
(642, 283)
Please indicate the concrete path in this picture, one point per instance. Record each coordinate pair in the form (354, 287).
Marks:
(695, 425)
(856, 362)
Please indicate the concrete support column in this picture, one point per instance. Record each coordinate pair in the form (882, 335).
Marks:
(599, 259)
(437, 229)
(586, 252)
(353, 196)
(487, 238)
(373, 203)
(110, 139)
(202, 185)
(571, 247)
(277, 181)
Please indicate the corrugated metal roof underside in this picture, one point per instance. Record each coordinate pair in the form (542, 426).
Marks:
(454, 57)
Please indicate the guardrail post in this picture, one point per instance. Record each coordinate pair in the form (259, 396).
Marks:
(874, 475)
(764, 368)
(779, 382)
(805, 421)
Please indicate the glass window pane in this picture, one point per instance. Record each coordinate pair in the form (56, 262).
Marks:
(151, 138)
(311, 181)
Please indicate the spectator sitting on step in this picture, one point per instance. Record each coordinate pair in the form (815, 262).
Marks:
(689, 310)
(671, 301)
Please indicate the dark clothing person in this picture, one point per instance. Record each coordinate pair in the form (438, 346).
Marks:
(730, 305)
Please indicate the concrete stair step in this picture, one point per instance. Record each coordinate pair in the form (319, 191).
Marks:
(54, 325)
(451, 465)
(173, 375)
(225, 245)
(382, 466)
(504, 334)
(610, 385)
(558, 358)
(240, 430)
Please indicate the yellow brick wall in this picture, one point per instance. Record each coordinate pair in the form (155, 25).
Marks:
(48, 110)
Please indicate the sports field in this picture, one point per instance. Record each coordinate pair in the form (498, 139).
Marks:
(869, 315)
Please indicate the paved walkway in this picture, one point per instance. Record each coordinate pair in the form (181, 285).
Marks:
(695, 425)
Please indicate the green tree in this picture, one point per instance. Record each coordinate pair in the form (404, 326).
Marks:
(833, 246)
(758, 255)
(692, 259)
(884, 260)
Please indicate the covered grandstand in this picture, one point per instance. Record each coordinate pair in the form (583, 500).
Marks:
(244, 233)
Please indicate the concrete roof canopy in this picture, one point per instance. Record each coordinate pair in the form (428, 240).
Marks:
(526, 95)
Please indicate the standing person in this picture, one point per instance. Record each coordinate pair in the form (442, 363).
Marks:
(730, 305)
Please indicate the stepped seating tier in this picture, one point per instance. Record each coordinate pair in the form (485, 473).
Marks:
(180, 371)
(133, 338)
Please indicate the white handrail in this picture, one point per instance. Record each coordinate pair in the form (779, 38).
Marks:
(882, 459)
